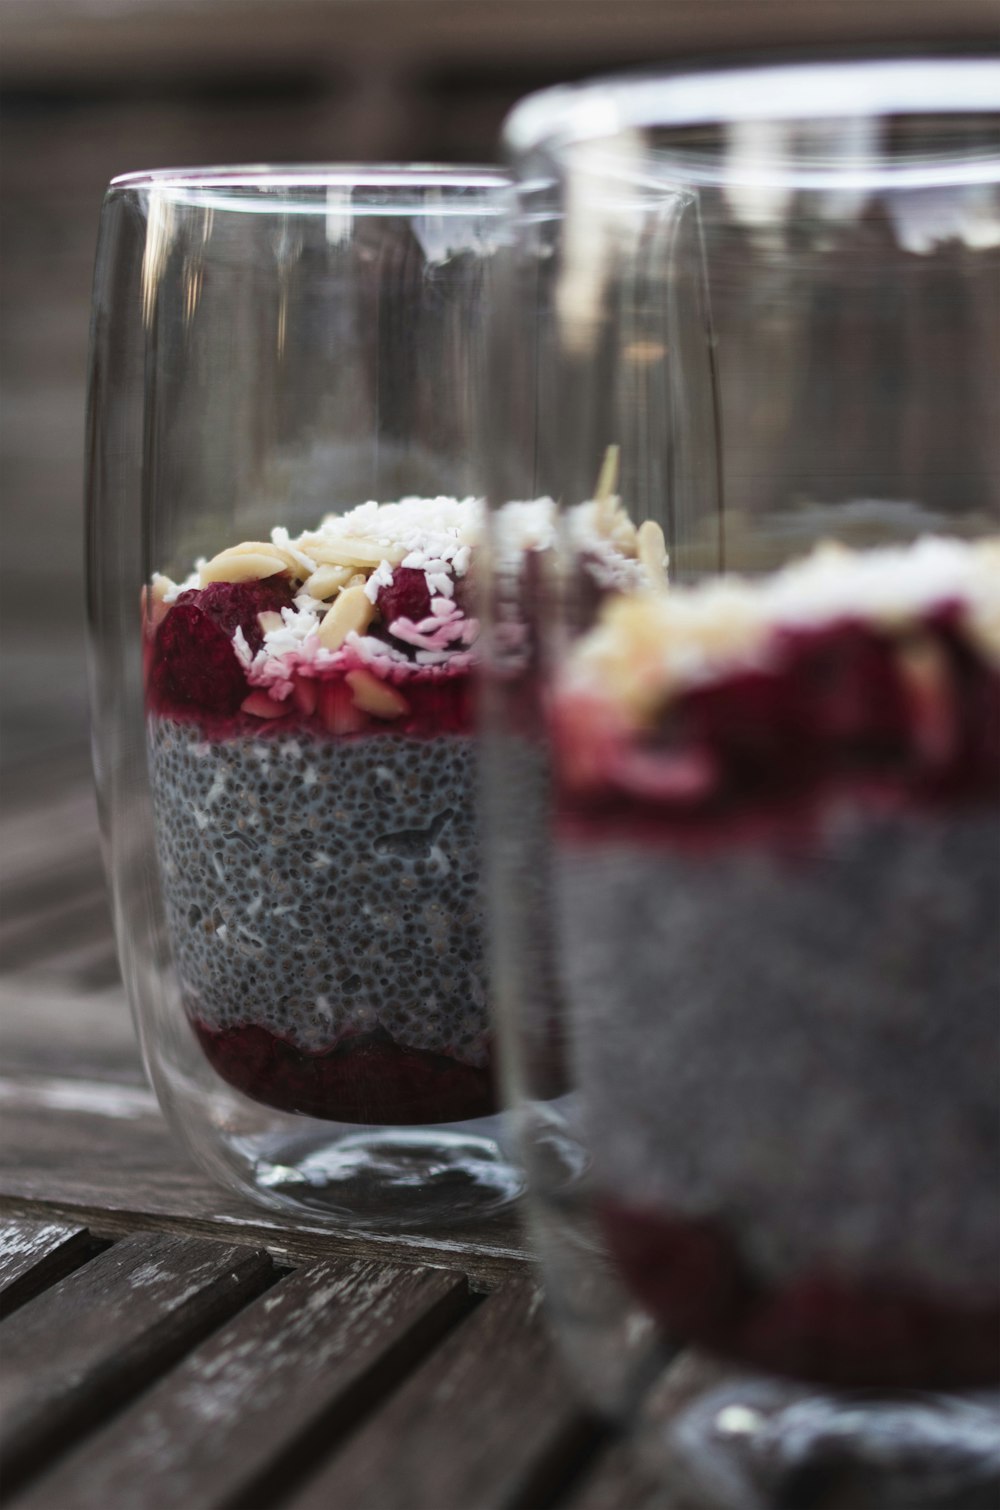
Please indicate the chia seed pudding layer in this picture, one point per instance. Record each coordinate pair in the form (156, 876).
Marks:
(778, 889)
(327, 892)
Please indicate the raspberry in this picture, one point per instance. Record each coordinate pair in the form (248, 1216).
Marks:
(194, 664)
(235, 605)
(406, 597)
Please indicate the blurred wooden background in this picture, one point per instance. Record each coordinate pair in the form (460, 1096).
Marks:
(92, 88)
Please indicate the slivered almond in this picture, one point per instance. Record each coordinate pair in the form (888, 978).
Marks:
(347, 550)
(351, 612)
(326, 580)
(262, 706)
(305, 694)
(375, 697)
(652, 551)
(607, 479)
(269, 620)
(267, 548)
(248, 566)
(338, 713)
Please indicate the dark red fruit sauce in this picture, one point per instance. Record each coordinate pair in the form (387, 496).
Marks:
(822, 1326)
(372, 1081)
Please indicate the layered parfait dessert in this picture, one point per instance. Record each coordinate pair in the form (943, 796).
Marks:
(312, 757)
(311, 754)
(778, 892)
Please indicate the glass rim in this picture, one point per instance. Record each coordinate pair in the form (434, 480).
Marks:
(611, 104)
(386, 175)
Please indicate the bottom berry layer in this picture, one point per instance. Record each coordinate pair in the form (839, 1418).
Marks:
(372, 1081)
(820, 1326)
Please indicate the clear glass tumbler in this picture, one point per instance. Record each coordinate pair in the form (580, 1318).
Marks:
(284, 523)
(752, 1043)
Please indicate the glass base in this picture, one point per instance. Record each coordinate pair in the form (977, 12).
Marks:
(764, 1444)
(386, 1178)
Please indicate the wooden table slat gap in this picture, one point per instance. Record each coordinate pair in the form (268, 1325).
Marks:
(74, 1250)
(564, 1464)
(176, 1291)
(370, 1393)
(484, 1270)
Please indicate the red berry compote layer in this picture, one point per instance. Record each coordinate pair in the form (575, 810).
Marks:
(778, 890)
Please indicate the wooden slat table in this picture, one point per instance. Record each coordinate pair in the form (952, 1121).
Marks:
(165, 1345)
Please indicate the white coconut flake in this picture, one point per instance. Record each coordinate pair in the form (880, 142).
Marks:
(242, 648)
(174, 589)
(280, 537)
(306, 603)
(439, 584)
(380, 577)
(165, 589)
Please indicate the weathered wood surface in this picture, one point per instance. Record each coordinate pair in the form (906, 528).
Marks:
(256, 1402)
(81, 1347)
(35, 1254)
(452, 1424)
(167, 1374)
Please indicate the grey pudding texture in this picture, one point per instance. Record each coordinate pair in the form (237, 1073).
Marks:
(805, 1049)
(317, 886)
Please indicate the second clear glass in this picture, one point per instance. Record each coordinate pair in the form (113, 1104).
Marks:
(751, 1032)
